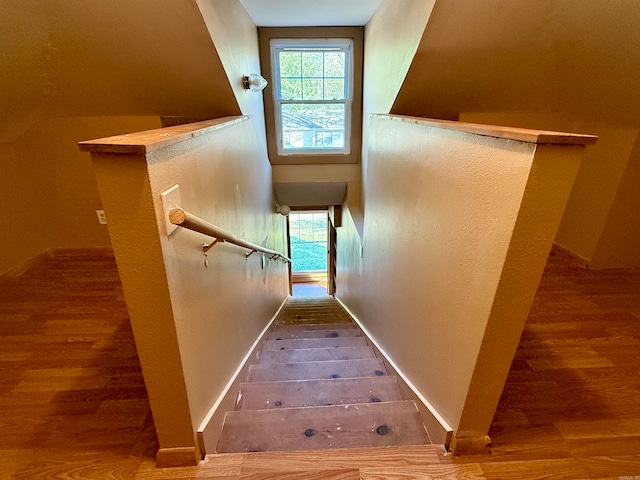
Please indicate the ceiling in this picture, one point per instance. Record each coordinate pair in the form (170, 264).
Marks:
(310, 13)
(310, 194)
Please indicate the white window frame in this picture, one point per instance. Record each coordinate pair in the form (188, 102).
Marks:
(344, 43)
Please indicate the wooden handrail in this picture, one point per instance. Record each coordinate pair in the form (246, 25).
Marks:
(179, 217)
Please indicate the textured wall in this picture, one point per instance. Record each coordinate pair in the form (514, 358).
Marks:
(235, 37)
(193, 325)
(49, 187)
(599, 224)
(81, 70)
(391, 39)
(534, 64)
(456, 234)
(78, 58)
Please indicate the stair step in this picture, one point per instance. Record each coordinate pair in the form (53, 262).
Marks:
(312, 393)
(331, 333)
(314, 343)
(314, 326)
(311, 319)
(314, 354)
(265, 372)
(310, 428)
(325, 310)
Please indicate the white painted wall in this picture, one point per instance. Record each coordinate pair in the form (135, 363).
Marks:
(193, 325)
(456, 234)
(235, 37)
(545, 61)
(391, 39)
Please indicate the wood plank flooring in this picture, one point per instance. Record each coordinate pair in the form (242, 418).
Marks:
(73, 406)
(72, 399)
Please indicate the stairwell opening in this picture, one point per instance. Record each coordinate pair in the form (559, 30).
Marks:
(317, 383)
(309, 234)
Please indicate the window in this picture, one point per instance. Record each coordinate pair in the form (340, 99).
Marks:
(308, 234)
(299, 104)
(312, 92)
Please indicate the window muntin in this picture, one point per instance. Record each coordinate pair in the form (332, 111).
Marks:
(312, 95)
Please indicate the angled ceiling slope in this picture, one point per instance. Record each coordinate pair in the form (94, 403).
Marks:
(77, 58)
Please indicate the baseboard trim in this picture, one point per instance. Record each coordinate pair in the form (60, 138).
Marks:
(209, 431)
(309, 277)
(470, 445)
(23, 267)
(177, 457)
(18, 270)
(577, 259)
(82, 251)
(438, 429)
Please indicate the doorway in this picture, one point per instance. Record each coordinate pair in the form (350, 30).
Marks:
(309, 248)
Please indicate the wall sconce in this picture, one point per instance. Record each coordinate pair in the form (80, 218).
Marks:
(254, 82)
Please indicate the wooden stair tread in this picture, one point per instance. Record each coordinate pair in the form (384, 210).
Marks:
(314, 326)
(306, 393)
(368, 367)
(314, 354)
(315, 319)
(317, 384)
(311, 428)
(309, 311)
(315, 333)
(291, 343)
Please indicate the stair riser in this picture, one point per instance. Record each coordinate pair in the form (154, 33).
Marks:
(314, 354)
(331, 333)
(320, 386)
(312, 393)
(313, 343)
(314, 326)
(316, 370)
(315, 428)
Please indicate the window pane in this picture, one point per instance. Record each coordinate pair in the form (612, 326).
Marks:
(334, 64)
(312, 88)
(313, 126)
(308, 241)
(312, 64)
(334, 89)
(291, 89)
(290, 64)
(312, 94)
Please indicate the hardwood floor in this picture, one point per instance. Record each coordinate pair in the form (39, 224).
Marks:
(310, 290)
(72, 398)
(73, 404)
(571, 404)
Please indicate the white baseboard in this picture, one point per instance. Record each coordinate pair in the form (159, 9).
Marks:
(23, 267)
(210, 428)
(439, 431)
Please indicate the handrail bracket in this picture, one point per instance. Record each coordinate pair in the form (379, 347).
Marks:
(206, 248)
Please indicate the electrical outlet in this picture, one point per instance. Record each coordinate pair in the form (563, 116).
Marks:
(170, 199)
(101, 217)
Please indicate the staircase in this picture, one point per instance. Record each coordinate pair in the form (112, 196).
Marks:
(317, 384)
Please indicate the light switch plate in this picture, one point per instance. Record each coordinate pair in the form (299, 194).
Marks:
(170, 199)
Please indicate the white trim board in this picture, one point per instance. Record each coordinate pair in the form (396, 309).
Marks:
(211, 426)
